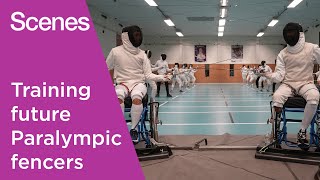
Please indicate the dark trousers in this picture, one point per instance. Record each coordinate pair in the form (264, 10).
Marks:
(159, 85)
(273, 87)
(257, 82)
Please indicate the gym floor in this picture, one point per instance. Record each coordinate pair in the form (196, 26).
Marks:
(215, 109)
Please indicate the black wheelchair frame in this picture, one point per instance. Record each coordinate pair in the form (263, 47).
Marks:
(151, 149)
(275, 150)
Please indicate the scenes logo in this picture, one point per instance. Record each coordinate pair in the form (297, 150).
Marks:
(21, 22)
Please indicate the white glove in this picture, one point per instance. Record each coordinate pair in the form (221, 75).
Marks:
(167, 77)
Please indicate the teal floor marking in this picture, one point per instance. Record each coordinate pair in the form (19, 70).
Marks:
(213, 109)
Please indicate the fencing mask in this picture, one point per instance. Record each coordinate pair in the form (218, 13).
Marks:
(291, 33)
(135, 35)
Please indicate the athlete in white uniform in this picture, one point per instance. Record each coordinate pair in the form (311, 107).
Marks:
(191, 75)
(182, 76)
(266, 82)
(255, 76)
(152, 84)
(132, 68)
(294, 69)
(244, 73)
(176, 78)
(250, 77)
(163, 71)
(186, 74)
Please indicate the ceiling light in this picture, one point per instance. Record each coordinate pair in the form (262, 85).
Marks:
(223, 12)
(273, 22)
(220, 34)
(260, 34)
(224, 2)
(222, 22)
(169, 22)
(294, 3)
(151, 3)
(179, 34)
(221, 29)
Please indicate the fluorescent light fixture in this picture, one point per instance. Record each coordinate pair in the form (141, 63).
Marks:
(221, 29)
(169, 22)
(222, 22)
(179, 34)
(223, 12)
(294, 3)
(151, 3)
(224, 2)
(260, 34)
(220, 34)
(273, 22)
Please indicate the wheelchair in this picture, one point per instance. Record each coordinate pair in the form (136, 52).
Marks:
(147, 147)
(292, 153)
(296, 104)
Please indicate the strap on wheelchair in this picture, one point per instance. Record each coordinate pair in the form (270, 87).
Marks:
(129, 92)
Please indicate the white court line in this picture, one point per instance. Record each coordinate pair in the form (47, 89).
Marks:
(217, 124)
(224, 90)
(167, 101)
(175, 97)
(209, 112)
(217, 106)
(220, 95)
(163, 103)
(218, 83)
(224, 101)
(210, 98)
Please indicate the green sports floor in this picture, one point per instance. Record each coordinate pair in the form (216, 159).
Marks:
(215, 109)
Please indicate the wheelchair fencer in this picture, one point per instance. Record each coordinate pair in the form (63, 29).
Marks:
(151, 148)
(276, 150)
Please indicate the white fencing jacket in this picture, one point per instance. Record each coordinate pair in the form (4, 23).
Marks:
(164, 66)
(130, 64)
(295, 64)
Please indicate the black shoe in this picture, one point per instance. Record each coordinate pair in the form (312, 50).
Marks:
(302, 139)
(181, 91)
(134, 135)
(157, 95)
(169, 95)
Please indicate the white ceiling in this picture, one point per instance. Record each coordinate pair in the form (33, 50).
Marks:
(245, 19)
